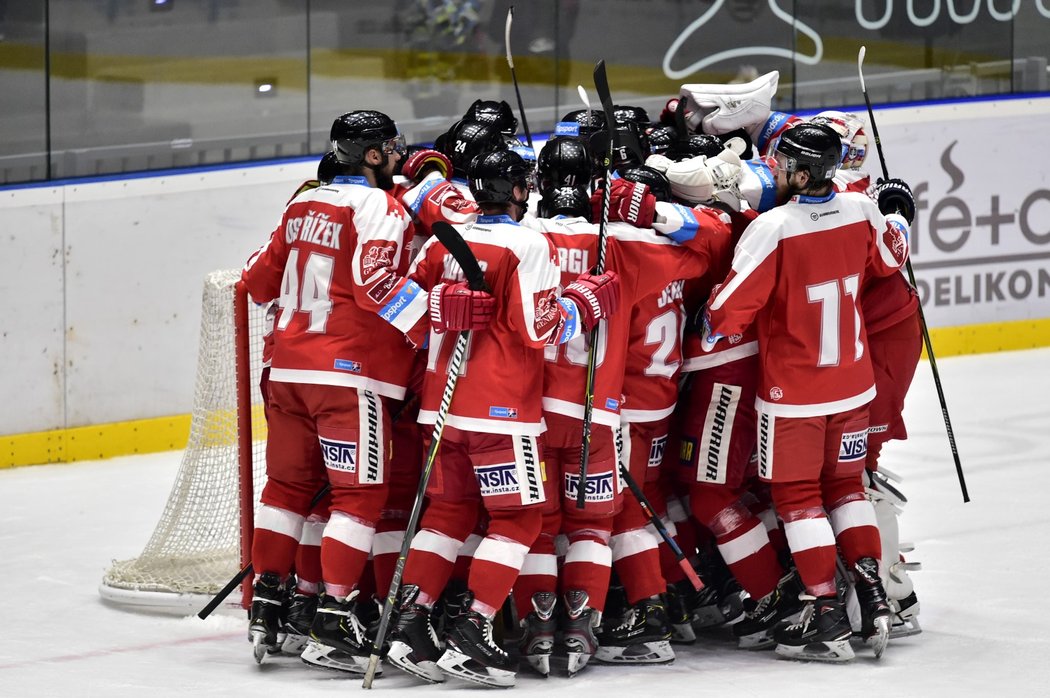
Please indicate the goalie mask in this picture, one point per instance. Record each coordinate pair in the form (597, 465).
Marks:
(850, 129)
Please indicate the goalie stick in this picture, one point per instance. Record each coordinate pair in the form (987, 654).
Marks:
(460, 251)
(911, 279)
(514, 77)
(601, 85)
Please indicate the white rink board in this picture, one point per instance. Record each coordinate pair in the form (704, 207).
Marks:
(981, 245)
(111, 335)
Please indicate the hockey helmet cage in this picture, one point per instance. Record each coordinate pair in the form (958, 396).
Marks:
(564, 162)
(565, 201)
(499, 114)
(812, 148)
(328, 168)
(493, 176)
(468, 139)
(354, 133)
(624, 114)
(851, 132)
(590, 121)
(657, 181)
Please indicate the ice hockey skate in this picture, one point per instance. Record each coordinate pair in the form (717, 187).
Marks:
(537, 632)
(580, 621)
(414, 645)
(472, 654)
(755, 630)
(875, 608)
(265, 615)
(643, 636)
(679, 612)
(337, 638)
(905, 619)
(821, 634)
(296, 625)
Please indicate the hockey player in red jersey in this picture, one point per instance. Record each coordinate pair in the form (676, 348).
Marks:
(796, 275)
(337, 266)
(491, 449)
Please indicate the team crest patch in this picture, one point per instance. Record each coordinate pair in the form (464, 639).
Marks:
(854, 446)
(501, 478)
(339, 455)
(599, 487)
(376, 256)
(776, 393)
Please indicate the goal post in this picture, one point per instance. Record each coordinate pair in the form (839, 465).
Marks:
(204, 534)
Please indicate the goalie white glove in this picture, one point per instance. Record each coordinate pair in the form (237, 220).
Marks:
(720, 109)
(701, 179)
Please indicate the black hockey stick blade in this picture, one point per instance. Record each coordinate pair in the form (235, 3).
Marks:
(601, 86)
(461, 252)
(679, 119)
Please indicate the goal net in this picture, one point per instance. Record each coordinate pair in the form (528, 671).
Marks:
(204, 535)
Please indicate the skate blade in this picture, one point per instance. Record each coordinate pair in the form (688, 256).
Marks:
(658, 652)
(762, 640)
(426, 670)
(829, 651)
(259, 647)
(683, 634)
(577, 662)
(327, 657)
(881, 638)
(455, 663)
(541, 663)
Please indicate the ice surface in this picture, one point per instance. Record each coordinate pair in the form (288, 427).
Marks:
(983, 585)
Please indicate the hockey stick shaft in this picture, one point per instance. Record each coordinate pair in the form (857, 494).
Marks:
(601, 85)
(514, 76)
(911, 278)
(658, 524)
(248, 569)
(462, 254)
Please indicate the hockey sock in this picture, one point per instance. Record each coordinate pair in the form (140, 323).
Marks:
(345, 547)
(809, 534)
(276, 539)
(499, 557)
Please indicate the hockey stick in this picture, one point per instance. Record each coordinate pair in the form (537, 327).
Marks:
(647, 508)
(911, 278)
(248, 569)
(601, 85)
(514, 77)
(460, 251)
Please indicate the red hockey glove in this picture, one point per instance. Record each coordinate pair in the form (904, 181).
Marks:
(596, 297)
(630, 202)
(455, 307)
(419, 163)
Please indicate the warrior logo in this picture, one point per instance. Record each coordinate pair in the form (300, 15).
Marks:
(372, 413)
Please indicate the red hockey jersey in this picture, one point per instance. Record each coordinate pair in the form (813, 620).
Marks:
(797, 274)
(337, 266)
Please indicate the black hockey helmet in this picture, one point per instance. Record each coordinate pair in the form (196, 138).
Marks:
(494, 175)
(354, 133)
(328, 168)
(565, 201)
(812, 148)
(624, 114)
(499, 114)
(468, 139)
(564, 162)
(661, 138)
(656, 180)
(632, 145)
(695, 145)
(590, 121)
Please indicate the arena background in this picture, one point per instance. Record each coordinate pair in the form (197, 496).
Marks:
(144, 143)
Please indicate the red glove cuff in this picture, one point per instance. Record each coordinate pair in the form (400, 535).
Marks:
(419, 163)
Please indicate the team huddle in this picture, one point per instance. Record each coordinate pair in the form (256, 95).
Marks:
(638, 382)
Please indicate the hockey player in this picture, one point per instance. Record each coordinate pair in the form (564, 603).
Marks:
(796, 275)
(491, 448)
(337, 267)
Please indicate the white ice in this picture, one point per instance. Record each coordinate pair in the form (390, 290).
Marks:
(984, 584)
